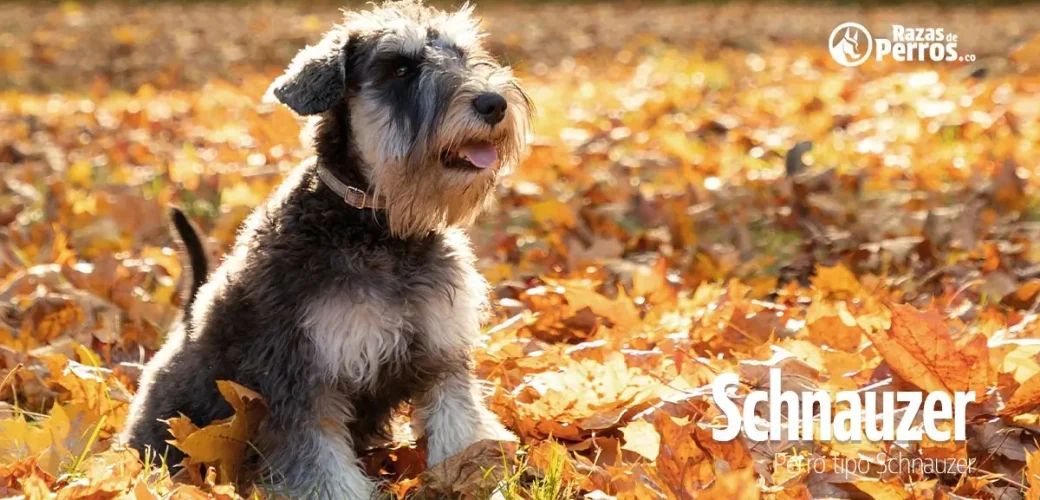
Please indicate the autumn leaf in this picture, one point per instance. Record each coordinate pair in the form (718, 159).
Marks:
(833, 326)
(735, 485)
(1025, 398)
(642, 438)
(223, 443)
(880, 490)
(683, 467)
(1024, 297)
(920, 349)
(1032, 474)
(468, 470)
(836, 280)
(104, 475)
(666, 224)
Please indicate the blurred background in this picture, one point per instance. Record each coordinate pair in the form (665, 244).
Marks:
(679, 147)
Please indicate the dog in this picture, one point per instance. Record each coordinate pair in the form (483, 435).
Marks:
(353, 289)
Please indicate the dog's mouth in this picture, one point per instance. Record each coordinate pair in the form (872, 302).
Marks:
(476, 155)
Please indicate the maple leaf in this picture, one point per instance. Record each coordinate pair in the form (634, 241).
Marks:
(920, 349)
(223, 443)
(682, 466)
(665, 227)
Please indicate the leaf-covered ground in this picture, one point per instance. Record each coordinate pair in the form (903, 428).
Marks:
(707, 193)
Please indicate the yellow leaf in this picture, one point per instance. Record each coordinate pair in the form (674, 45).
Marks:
(553, 212)
(81, 173)
(837, 279)
(882, 491)
(642, 438)
(1033, 475)
(223, 443)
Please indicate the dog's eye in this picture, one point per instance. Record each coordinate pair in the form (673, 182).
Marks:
(402, 71)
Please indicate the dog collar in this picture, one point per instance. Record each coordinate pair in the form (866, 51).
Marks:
(353, 196)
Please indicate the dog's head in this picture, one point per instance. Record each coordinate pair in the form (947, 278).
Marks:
(433, 116)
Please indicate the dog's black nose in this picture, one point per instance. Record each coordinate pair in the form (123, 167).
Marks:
(491, 107)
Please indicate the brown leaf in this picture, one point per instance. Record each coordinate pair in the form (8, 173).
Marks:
(467, 471)
(684, 468)
(1024, 297)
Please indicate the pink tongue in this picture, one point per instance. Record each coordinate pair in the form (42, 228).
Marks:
(481, 155)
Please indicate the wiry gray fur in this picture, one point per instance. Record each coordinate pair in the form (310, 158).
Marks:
(337, 315)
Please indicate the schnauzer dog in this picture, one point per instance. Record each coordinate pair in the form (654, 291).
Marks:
(353, 289)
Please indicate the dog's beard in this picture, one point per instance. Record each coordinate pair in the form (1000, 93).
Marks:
(422, 193)
(429, 199)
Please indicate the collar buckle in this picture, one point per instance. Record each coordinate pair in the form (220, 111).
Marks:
(351, 195)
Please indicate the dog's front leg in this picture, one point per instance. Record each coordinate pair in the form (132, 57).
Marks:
(453, 416)
(314, 459)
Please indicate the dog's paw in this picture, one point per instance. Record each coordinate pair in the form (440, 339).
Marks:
(494, 430)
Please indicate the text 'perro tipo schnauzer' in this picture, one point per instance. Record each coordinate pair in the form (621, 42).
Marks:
(353, 289)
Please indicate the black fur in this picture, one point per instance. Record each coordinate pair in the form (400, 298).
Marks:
(249, 323)
(197, 261)
(302, 243)
(315, 80)
(246, 328)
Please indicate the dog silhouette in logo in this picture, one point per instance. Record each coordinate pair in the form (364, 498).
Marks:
(846, 51)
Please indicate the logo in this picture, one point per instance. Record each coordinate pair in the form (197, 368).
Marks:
(851, 44)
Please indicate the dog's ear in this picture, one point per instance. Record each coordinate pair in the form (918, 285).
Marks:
(315, 79)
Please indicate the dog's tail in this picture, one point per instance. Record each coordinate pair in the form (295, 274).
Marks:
(197, 261)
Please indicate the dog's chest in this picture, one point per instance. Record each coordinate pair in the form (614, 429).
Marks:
(365, 335)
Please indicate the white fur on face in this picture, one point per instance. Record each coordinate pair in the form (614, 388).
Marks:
(380, 139)
(405, 37)
(460, 28)
(402, 159)
(354, 338)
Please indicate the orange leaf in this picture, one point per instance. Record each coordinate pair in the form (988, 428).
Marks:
(919, 348)
(1026, 397)
(735, 485)
(1033, 475)
(837, 279)
(684, 468)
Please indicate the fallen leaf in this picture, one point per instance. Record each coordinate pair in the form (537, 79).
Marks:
(468, 470)
(641, 438)
(223, 443)
(920, 349)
